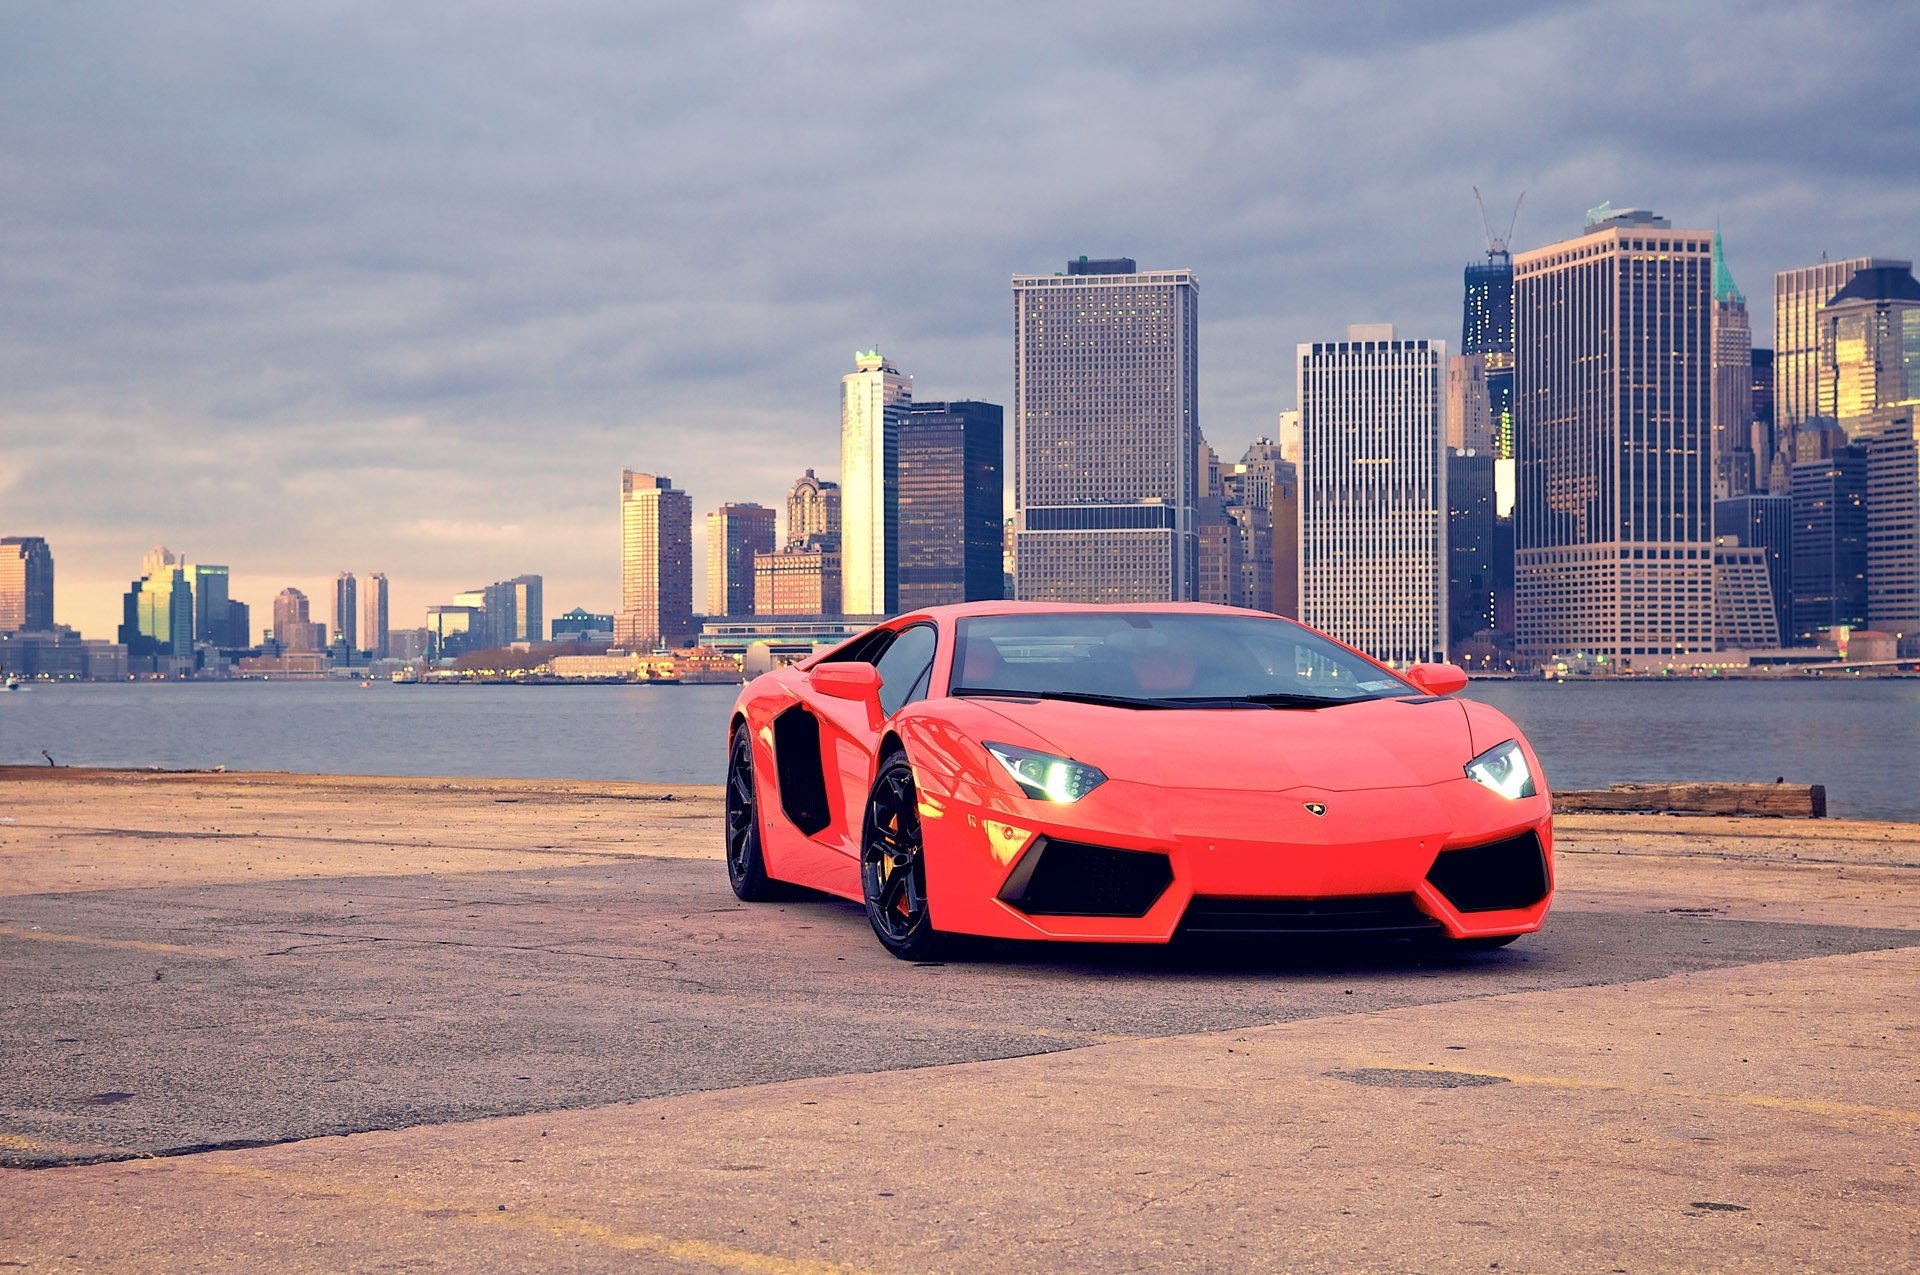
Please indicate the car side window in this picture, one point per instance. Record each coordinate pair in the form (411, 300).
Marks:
(903, 668)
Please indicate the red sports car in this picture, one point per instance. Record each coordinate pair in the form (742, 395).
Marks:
(1124, 774)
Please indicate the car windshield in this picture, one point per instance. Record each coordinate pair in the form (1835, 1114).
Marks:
(1162, 660)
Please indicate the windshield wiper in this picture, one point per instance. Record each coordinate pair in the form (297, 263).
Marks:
(1071, 697)
(1274, 699)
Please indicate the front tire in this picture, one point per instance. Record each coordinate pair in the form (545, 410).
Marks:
(746, 865)
(893, 868)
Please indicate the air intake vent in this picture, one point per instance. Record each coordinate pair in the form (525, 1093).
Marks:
(1067, 878)
(1493, 878)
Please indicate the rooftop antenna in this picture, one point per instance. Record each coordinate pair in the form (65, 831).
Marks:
(1497, 244)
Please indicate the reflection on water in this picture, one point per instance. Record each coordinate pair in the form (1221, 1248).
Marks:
(1860, 738)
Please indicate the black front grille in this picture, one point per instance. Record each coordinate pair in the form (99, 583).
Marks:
(1068, 878)
(1494, 877)
(1358, 914)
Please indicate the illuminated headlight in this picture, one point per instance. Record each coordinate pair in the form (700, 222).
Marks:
(1504, 769)
(1044, 776)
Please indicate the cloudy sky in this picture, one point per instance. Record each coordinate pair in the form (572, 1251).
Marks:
(323, 286)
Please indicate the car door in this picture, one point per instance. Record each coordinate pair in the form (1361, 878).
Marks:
(849, 742)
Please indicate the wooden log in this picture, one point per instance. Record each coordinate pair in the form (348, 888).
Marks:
(1779, 801)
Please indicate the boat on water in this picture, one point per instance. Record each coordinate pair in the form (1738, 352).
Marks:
(12, 683)
(403, 676)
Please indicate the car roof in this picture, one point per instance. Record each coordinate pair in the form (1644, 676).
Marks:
(965, 610)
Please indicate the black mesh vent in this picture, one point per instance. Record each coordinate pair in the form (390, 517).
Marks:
(1492, 878)
(1360, 914)
(796, 764)
(1067, 878)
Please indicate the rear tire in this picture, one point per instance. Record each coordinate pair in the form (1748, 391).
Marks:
(893, 869)
(746, 865)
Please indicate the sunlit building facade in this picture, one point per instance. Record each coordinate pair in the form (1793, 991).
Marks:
(26, 585)
(1373, 492)
(157, 611)
(293, 626)
(736, 535)
(1614, 449)
(1106, 431)
(373, 617)
(799, 580)
(813, 511)
(1733, 459)
(874, 398)
(656, 563)
(1868, 350)
(1798, 297)
(212, 606)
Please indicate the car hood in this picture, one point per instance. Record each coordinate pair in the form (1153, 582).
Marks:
(1387, 743)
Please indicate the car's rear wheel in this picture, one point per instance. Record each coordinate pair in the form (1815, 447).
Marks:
(746, 866)
(893, 868)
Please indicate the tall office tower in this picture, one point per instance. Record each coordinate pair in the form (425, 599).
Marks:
(1470, 546)
(1829, 544)
(1743, 611)
(1214, 544)
(951, 503)
(1373, 494)
(656, 563)
(1247, 485)
(346, 610)
(373, 617)
(1763, 442)
(1893, 526)
(1867, 350)
(1470, 425)
(873, 402)
(239, 626)
(292, 621)
(1486, 338)
(1798, 297)
(1106, 429)
(813, 512)
(1764, 522)
(454, 629)
(210, 603)
(1284, 505)
(1733, 460)
(736, 534)
(511, 611)
(799, 580)
(157, 611)
(1613, 536)
(26, 585)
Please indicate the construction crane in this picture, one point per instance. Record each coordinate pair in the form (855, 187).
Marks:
(1497, 245)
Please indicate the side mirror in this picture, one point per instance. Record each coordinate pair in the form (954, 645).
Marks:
(856, 682)
(1438, 679)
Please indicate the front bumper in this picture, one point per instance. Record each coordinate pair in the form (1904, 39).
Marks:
(1452, 857)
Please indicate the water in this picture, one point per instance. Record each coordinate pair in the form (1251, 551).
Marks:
(1860, 738)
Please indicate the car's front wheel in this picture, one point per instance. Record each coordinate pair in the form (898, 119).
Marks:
(893, 868)
(746, 866)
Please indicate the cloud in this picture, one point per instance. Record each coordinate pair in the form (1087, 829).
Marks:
(348, 286)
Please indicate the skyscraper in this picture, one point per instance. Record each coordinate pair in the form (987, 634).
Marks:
(1106, 431)
(1764, 522)
(292, 621)
(211, 623)
(1373, 492)
(1829, 544)
(813, 511)
(1733, 460)
(346, 610)
(26, 585)
(951, 503)
(1798, 297)
(1763, 444)
(1486, 342)
(1613, 408)
(873, 402)
(373, 617)
(656, 563)
(1867, 349)
(157, 610)
(510, 611)
(1471, 549)
(736, 535)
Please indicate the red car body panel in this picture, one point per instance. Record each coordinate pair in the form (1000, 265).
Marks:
(1224, 794)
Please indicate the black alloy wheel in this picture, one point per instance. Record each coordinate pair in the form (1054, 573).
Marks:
(893, 869)
(746, 868)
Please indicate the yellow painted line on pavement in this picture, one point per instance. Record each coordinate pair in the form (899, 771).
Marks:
(1771, 1102)
(91, 940)
(680, 1249)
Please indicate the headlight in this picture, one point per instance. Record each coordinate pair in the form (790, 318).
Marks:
(1503, 768)
(1044, 776)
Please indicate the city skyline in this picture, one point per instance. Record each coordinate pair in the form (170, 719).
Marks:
(521, 260)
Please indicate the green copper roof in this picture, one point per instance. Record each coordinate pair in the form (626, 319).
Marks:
(1724, 288)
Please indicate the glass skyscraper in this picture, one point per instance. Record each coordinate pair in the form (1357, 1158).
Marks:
(736, 535)
(951, 503)
(1106, 433)
(1612, 430)
(26, 585)
(873, 403)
